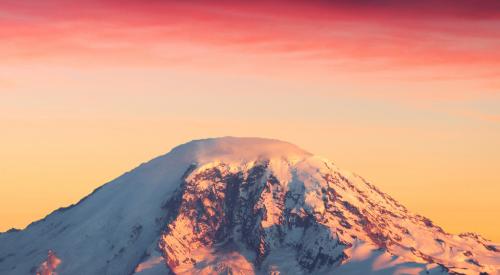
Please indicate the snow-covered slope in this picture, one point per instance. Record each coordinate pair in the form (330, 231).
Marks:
(241, 206)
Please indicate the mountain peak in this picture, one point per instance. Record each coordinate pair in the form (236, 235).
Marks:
(241, 206)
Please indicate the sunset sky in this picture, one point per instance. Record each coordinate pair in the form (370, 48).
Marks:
(404, 93)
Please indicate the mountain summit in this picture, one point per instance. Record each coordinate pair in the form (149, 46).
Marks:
(241, 206)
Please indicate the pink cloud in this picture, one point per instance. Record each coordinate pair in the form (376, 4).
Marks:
(419, 41)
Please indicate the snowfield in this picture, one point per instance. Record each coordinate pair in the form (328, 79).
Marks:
(241, 206)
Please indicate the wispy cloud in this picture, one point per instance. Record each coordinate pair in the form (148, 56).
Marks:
(405, 43)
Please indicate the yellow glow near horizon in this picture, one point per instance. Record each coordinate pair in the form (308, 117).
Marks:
(56, 148)
(87, 94)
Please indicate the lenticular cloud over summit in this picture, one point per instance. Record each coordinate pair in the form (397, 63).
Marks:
(241, 206)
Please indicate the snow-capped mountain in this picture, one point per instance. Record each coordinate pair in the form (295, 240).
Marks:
(241, 206)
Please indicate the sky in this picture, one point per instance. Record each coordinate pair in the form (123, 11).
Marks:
(404, 93)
